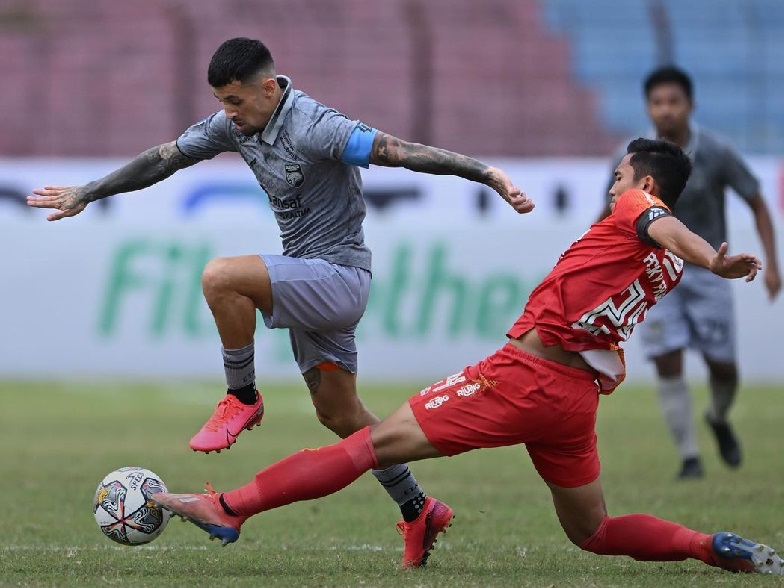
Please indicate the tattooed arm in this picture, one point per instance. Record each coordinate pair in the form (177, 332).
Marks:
(390, 151)
(148, 168)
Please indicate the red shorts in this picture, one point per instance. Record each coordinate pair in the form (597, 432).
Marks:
(513, 397)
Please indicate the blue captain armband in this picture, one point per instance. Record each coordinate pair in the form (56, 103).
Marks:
(359, 146)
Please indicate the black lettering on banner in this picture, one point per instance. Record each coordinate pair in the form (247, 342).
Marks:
(17, 196)
(11, 194)
(383, 198)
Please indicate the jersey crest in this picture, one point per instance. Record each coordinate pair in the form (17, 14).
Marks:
(294, 175)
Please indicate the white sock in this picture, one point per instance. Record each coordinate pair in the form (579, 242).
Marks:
(676, 407)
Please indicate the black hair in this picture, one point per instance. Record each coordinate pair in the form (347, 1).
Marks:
(239, 60)
(665, 162)
(669, 74)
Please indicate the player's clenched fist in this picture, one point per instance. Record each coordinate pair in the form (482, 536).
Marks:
(502, 184)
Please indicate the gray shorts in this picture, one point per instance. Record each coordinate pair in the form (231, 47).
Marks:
(698, 314)
(320, 303)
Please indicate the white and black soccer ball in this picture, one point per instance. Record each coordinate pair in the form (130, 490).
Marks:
(123, 509)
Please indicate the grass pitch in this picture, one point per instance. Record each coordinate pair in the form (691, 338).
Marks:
(59, 440)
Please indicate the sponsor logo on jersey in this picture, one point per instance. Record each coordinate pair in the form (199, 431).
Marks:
(450, 381)
(436, 401)
(469, 389)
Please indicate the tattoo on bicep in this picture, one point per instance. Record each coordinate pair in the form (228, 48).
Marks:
(312, 380)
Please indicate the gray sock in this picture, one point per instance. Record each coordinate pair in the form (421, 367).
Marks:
(402, 487)
(676, 407)
(239, 367)
(722, 397)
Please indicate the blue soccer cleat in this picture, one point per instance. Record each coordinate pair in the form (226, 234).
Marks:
(738, 554)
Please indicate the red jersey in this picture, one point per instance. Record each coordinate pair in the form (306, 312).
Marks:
(603, 285)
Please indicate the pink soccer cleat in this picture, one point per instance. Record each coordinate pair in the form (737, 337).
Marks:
(230, 418)
(204, 511)
(419, 535)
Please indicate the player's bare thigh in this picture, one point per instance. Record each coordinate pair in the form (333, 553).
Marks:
(399, 439)
(244, 275)
(580, 510)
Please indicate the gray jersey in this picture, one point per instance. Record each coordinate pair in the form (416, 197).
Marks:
(316, 198)
(716, 166)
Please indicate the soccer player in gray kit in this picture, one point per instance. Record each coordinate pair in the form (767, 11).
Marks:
(700, 314)
(306, 157)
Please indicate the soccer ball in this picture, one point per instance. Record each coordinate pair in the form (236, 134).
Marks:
(123, 509)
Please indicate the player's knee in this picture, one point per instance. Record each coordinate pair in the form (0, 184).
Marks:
(589, 536)
(340, 423)
(216, 278)
(581, 512)
(579, 535)
(669, 365)
(343, 418)
(727, 372)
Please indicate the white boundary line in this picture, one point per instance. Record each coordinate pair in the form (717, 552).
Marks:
(75, 549)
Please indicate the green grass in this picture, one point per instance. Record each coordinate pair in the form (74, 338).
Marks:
(59, 440)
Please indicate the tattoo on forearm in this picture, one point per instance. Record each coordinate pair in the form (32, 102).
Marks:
(392, 152)
(148, 168)
(313, 380)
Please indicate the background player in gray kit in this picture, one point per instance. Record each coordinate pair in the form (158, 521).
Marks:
(305, 157)
(699, 313)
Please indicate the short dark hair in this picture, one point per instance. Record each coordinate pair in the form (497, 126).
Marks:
(669, 74)
(665, 162)
(239, 60)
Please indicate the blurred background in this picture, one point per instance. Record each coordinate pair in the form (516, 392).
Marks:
(546, 88)
(514, 78)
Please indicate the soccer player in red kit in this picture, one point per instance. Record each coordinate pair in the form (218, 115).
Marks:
(541, 388)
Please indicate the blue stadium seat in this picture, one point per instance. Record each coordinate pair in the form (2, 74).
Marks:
(622, 106)
(734, 49)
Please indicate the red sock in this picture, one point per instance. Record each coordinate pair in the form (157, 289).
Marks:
(305, 475)
(647, 538)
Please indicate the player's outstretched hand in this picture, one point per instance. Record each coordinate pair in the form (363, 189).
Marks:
(743, 265)
(502, 184)
(67, 200)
